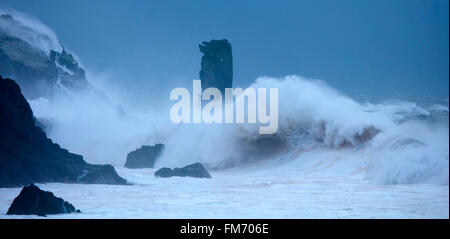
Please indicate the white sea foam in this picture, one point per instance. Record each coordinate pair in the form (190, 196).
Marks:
(394, 141)
(395, 147)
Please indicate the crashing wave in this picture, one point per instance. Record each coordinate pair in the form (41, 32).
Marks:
(314, 117)
(388, 143)
(31, 54)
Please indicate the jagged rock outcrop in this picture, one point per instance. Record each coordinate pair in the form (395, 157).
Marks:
(38, 63)
(195, 170)
(144, 157)
(34, 201)
(28, 156)
(217, 65)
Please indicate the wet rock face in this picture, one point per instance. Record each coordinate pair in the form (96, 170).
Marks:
(38, 70)
(217, 65)
(70, 74)
(195, 170)
(34, 201)
(144, 157)
(28, 156)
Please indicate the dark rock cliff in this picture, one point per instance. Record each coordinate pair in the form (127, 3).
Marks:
(39, 71)
(28, 156)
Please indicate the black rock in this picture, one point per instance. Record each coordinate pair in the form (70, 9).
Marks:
(144, 157)
(36, 68)
(28, 156)
(217, 65)
(34, 201)
(195, 170)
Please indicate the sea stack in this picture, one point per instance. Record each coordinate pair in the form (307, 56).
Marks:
(217, 65)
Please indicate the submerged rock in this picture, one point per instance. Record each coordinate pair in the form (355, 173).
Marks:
(34, 201)
(28, 156)
(217, 65)
(144, 157)
(195, 170)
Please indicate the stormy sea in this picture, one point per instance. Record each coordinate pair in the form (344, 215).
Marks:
(334, 155)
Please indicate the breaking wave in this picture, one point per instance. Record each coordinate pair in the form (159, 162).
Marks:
(392, 142)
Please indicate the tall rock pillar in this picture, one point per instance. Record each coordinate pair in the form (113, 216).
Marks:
(217, 65)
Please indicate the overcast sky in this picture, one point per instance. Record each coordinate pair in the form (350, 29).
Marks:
(356, 46)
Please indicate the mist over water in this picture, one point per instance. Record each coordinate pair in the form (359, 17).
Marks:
(96, 125)
(395, 141)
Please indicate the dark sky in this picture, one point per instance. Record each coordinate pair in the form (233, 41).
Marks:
(359, 46)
